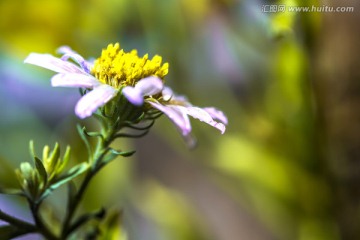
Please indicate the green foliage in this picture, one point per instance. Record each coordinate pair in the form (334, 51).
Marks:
(112, 227)
(48, 174)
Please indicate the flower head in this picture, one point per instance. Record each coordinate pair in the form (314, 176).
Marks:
(118, 75)
(118, 68)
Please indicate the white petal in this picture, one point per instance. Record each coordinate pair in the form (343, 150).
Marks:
(74, 80)
(216, 114)
(149, 86)
(177, 115)
(52, 63)
(145, 87)
(167, 93)
(203, 116)
(69, 53)
(98, 97)
(177, 98)
(133, 95)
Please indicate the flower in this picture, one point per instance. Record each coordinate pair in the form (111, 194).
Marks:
(138, 79)
(106, 76)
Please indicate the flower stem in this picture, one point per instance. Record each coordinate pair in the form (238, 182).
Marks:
(41, 227)
(73, 205)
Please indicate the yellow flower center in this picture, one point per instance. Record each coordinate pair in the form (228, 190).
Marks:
(118, 68)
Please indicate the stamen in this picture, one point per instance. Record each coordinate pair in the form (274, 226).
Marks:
(118, 68)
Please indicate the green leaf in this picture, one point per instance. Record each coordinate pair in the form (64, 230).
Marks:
(71, 174)
(84, 138)
(112, 228)
(132, 126)
(65, 160)
(93, 134)
(32, 149)
(122, 153)
(46, 151)
(127, 135)
(26, 170)
(12, 191)
(41, 170)
(54, 158)
(113, 154)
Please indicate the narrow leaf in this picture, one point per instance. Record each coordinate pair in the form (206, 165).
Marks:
(12, 191)
(84, 138)
(65, 160)
(41, 169)
(130, 125)
(71, 174)
(54, 157)
(46, 151)
(32, 149)
(113, 154)
(127, 135)
(93, 134)
(122, 153)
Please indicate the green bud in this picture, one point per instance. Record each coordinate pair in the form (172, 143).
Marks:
(53, 159)
(62, 164)
(26, 170)
(30, 180)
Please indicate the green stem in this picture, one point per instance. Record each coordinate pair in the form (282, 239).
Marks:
(73, 205)
(41, 227)
(17, 222)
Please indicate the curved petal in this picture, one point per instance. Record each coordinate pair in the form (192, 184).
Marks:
(203, 116)
(52, 63)
(74, 80)
(167, 93)
(177, 115)
(88, 104)
(133, 95)
(69, 53)
(145, 87)
(150, 85)
(216, 114)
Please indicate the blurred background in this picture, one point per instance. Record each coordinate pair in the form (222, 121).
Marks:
(286, 168)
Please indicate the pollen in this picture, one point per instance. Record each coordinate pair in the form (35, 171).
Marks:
(118, 68)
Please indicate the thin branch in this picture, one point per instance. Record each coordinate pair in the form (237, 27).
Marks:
(41, 227)
(17, 222)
